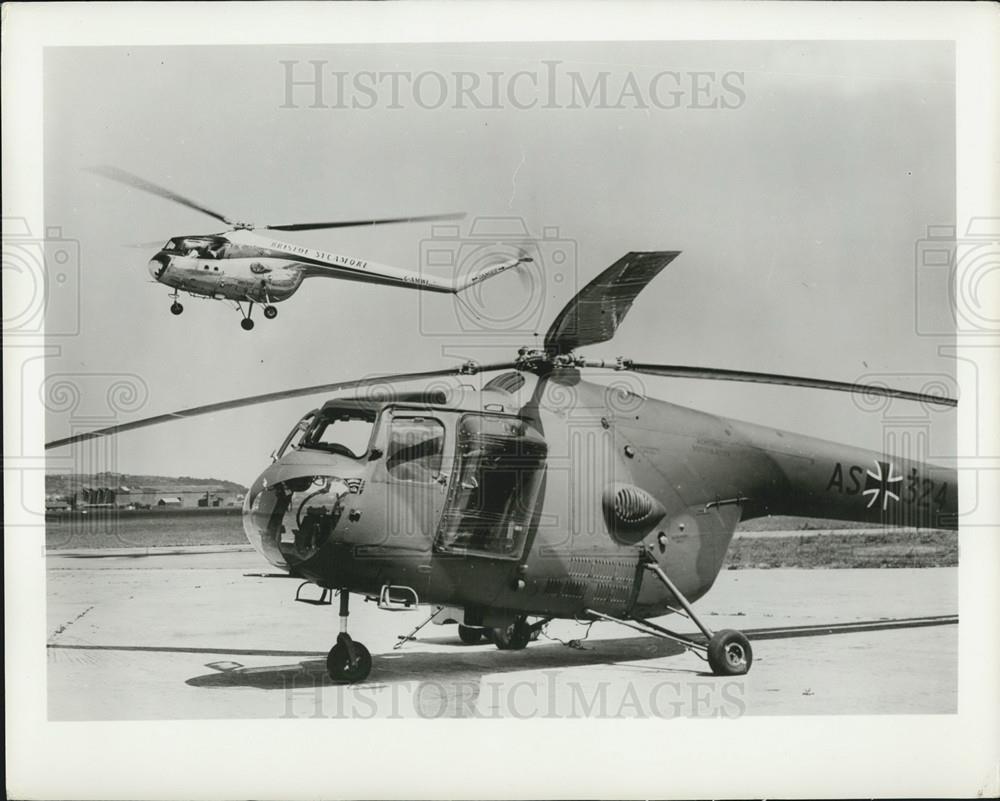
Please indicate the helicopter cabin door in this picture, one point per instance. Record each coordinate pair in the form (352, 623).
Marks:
(416, 469)
(494, 490)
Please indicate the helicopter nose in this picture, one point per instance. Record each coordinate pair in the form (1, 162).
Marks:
(289, 521)
(157, 265)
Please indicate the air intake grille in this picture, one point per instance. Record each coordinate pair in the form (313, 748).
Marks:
(630, 512)
(632, 504)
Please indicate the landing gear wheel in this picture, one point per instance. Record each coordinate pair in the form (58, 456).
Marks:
(729, 653)
(246, 324)
(270, 312)
(470, 635)
(513, 637)
(339, 666)
(176, 308)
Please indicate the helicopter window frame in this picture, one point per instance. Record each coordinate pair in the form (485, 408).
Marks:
(301, 428)
(325, 418)
(465, 525)
(440, 454)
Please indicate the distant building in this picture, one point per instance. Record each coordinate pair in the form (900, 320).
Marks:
(210, 499)
(57, 505)
(95, 496)
(115, 491)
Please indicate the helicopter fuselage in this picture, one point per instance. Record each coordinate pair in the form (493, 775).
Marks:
(243, 266)
(261, 280)
(551, 508)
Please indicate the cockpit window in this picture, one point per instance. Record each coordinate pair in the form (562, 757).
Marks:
(344, 432)
(416, 448)
(198, 247)
(294, 438)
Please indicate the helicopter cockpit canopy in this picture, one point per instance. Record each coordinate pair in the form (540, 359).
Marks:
(202, 247)
(468, 481)
(295, 435)
(346, 430)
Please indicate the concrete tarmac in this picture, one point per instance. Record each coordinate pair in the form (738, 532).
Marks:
(186, 634)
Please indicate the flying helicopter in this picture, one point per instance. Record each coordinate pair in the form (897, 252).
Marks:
(243, 267)
(544, 494)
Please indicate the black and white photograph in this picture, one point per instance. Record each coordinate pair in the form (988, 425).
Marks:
(461, 396)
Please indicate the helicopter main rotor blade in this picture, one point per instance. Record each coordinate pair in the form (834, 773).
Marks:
(127, 178)
(596, 311)
(713, 373)
(270, 397)
(143, 245)
(356, 223)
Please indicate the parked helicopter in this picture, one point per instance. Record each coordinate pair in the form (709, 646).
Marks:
(543, 495)
(243, 267)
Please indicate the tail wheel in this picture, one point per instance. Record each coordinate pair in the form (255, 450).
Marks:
(340, 667)
(270, 312)
(729, 653)
(176, 308)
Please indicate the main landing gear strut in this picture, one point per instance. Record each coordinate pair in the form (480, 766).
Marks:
(270, 312)
(348, 661)
(175, 307)
(728, 652)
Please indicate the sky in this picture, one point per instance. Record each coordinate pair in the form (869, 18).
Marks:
(799, 202)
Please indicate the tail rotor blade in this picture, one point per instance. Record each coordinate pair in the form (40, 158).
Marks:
(713, 373)
(127, 178)
(270, 397)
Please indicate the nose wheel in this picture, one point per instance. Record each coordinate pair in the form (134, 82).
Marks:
(270, 312)
(176, 308)
(348, 661)
(341, 666)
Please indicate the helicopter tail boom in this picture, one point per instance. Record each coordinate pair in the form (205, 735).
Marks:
(793, 474)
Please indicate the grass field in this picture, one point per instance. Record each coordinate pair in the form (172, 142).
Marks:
(840, 549)
(145, 529)
(754, 546)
